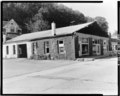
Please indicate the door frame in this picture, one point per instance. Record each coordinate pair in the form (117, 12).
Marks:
(96, 50)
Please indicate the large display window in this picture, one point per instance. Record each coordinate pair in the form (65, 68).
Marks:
(96, 47)
(85, 49)
(85, 46)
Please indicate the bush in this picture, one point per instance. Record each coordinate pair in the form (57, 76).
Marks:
(41, 57)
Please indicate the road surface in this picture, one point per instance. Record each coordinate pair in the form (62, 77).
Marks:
(76, 77)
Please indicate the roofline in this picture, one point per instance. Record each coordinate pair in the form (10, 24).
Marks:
(39, 38)
(70, 34)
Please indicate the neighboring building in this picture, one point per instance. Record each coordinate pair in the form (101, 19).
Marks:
(70, 42)
(10, 30)
(114, 43)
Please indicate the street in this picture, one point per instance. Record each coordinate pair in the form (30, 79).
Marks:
(21, 76)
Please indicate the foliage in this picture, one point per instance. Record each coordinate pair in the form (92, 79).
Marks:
(101, 22)
(38, 16)
(33, 17)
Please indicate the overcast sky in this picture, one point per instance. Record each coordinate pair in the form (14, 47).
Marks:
(107, 9)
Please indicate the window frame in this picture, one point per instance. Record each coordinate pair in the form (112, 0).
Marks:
(88, 48)
(46, 47)
(14, 50)
(7, 50)
(61, 46)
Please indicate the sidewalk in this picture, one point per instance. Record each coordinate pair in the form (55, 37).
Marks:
(92, 58)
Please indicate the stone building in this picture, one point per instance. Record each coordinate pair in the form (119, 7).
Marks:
(69, 42)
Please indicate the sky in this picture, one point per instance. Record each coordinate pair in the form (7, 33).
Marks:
(107, 9)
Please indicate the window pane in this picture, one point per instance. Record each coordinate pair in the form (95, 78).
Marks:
(95, 41)
(61, 42)
(61, 49)
(84, 48)
(7, 49)
(46, 46)
(47, 50)
(14, 49)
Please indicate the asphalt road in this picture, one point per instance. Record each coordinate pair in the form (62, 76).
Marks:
(93, 77)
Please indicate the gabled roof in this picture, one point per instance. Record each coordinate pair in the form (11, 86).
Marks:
(47, 33)
(5, 22)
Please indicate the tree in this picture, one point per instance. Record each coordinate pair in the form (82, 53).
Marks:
(38, 25)
(38, 16)
(102, 23)
(89, 19)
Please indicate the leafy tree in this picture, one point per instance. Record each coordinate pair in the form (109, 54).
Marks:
(38, 25)
(33, 17)
(102, 23)
(89, 19)
(61, 15)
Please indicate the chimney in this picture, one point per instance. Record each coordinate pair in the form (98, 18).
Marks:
(53, 26)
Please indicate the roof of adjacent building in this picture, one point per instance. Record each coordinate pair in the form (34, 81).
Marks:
(48, 33)
(114, 40)
(5, 22)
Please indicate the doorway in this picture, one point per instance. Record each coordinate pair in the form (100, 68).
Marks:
(96, 49)
(22, 51)
(85, 49)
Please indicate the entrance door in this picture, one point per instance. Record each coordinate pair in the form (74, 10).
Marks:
(22, 51)
(96, 49)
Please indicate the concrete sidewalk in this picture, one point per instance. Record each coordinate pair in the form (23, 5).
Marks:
(92, 58)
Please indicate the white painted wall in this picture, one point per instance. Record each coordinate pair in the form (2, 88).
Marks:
(29, 49)
(114, 46)
(11, 55)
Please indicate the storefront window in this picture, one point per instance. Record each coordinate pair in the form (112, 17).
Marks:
(85, 49)
(94, 49)
(96, 41)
